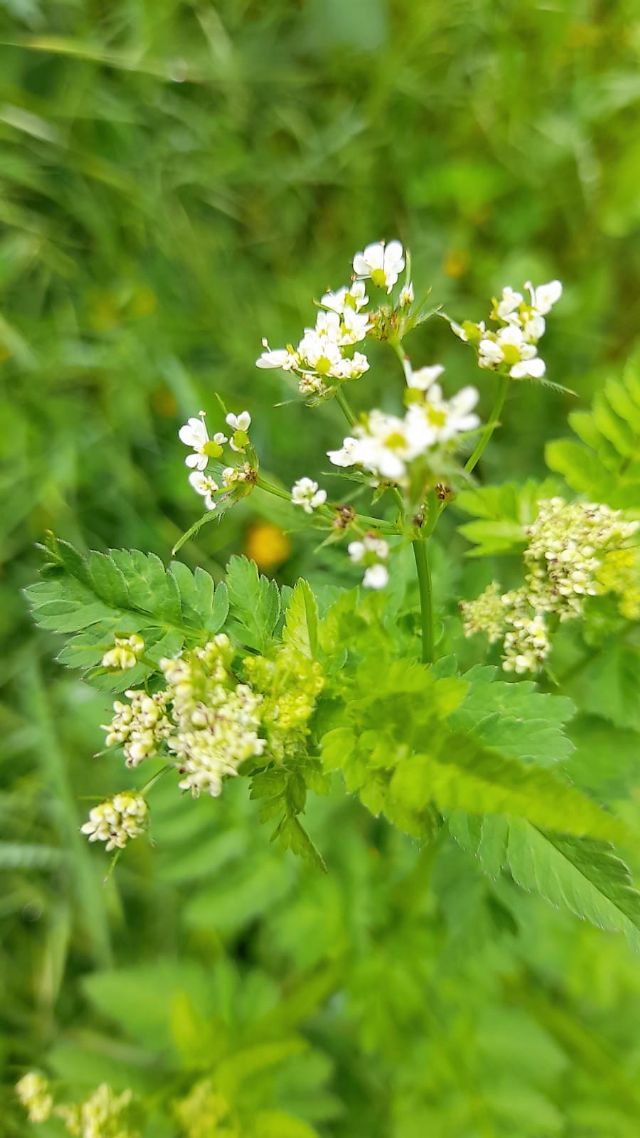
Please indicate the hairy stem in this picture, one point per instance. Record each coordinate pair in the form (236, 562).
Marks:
(421, 554)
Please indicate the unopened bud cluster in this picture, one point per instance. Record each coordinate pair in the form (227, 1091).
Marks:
(216, 721)
(125, 653)
(117, 820)
(104, 1114)
(575, 550)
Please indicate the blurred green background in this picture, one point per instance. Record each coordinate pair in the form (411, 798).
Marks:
(177, 180)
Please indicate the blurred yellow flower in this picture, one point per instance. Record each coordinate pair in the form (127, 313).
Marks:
(267, 545)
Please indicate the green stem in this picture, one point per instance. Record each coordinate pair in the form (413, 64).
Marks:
(343, 403)
(490, 426)
(421, 555)
(269, 488)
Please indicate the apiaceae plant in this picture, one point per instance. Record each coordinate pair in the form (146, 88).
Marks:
(376, 684)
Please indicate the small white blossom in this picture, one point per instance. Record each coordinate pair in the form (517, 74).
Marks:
(305, 493)
(117, 820)
(509, 303)
(240, 422)
(371, 552)
(125, 653)
(406, 296)
(376, 577)
(423, 377)
(206, 486)
(381, 262)
(194, 434)
(358, 550)
(347, 455)
(544, 296)
(528, 369)
(345, 299)
(354, 326)
(282, 358)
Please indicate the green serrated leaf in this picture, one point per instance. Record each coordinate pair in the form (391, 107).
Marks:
(301, 620)
(254, 603)
(463, 776)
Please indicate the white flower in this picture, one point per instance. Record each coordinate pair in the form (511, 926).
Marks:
(320, 353)
(240, 425)
(277, 358)
(358, 550)
(382, 263)
(327, 326)
(448, 418)
(354, 327)
(406, 296)
(544, 296)
(125, 653)
(376, 577)
(348, 453)
(117, 820)
(370, 552)
(352, 298)
(240, 422)
(305, 493)
(353, 368)
(194, 434)
(528, 369)
(509, 303)
(204, 485)
(423, 377)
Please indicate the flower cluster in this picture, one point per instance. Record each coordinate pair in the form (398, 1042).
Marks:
(117, 820)
(372, 553)
(220, 486)
(139, 726)
(325, 356)
(573, 552)
(207, 724)
(306, 493)
(513, 346)
(385, 445)
(104, 1114)
(35, 1096)
(125, 653)
(216, 721)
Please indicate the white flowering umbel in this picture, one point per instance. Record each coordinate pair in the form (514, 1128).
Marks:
(35, 1096)
(512, 347)
(569, 544)
(216, 721)
(125, 653)
(117, 820)
(325, 357)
